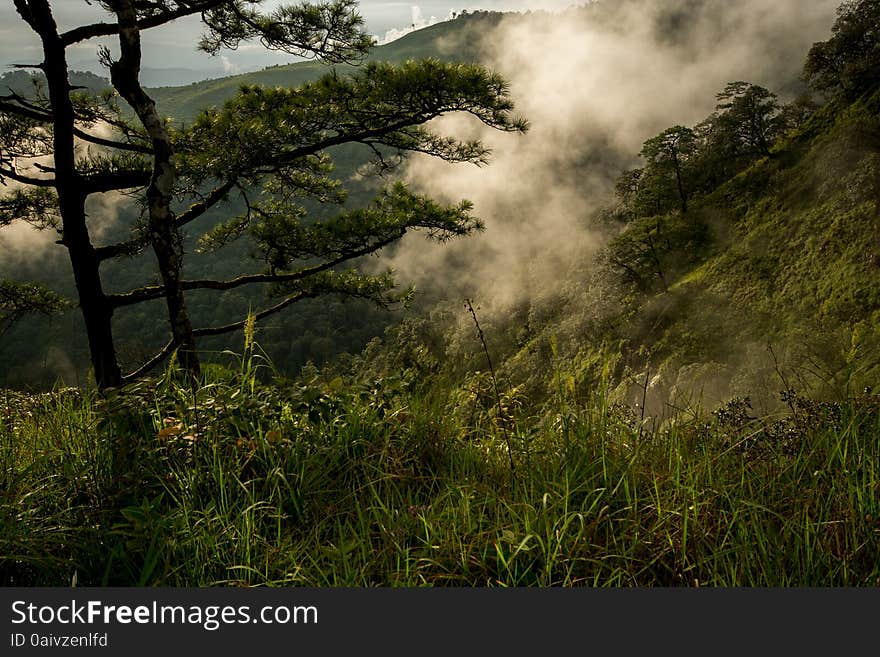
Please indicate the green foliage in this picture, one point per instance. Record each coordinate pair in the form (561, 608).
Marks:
(185, 103)
(20, 299)
(331, 30)
(667, 156)
(747, 119)
(647, 192)
(653, 251)
(37, 206)
(849, 62)
(282, 237)
(669, 147)
(682, 163)
(273, 129)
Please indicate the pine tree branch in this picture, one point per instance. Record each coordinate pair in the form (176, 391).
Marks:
(15, 105)
(151, 364)
(157, 291)
(127, 248)
(17, 109)
(109, 181)
(7, 172)
(169, 348)
(85, 32)
(237, 326)
(137, 244)
(110, 143)
(198, 209)
(329, 30)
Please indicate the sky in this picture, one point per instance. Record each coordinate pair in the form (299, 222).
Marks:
(173, 46)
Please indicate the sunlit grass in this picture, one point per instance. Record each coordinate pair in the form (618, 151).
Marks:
(241, 483)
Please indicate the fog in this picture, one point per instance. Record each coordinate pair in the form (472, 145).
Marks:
(594, 83)
(23, 246)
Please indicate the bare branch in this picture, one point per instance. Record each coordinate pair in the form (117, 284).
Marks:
(154, 362)
(109, 181)
(17, 106)
(18, 109)
(237, 326)
(110, 143)
(127, 248)
(7, 172)
(137, 244)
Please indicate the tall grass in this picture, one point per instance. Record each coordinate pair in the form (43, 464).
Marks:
(237, 482)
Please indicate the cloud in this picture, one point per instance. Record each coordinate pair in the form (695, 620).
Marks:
(419, 22)
(228, 67)
(595, 83)
(21, 244)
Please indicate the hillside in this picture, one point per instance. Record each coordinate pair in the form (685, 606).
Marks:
(456, 40)
(415, 464)
(657, 367)
(776, 286)
(768, 285)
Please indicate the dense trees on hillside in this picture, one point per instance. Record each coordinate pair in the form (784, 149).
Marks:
(267, 147)
(682, 163)
(748, 119)
(849, 62)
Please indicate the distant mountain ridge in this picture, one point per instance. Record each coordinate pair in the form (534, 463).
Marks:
(183, 92)
(454, 40)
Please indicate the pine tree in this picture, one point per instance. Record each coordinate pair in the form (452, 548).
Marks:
(267, 147)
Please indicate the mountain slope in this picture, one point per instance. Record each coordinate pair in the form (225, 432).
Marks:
(769, 283)
(781, 292)
(456, 40)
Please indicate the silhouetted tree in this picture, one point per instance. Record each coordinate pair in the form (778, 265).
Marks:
(667, 155)
(747, 118)
(794, 114)
(627, 188)
(747, 121)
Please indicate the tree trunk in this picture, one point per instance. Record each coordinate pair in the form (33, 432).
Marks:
(165, 237)
(96, 311)
(681, 192)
